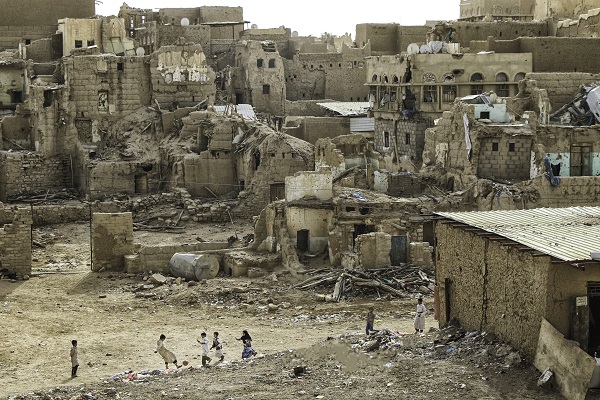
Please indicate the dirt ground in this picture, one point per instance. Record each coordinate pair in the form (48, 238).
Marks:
(117, 330)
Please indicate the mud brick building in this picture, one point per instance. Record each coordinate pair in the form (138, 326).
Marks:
(503, 271)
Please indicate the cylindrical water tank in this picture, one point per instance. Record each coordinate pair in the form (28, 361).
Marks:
(194, 267)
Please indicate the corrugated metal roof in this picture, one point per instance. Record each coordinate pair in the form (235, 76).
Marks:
(568, 234)
(245, 110)
(362, 124)
(347, 108)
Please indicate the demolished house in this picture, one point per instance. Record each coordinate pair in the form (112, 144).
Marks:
(351, 228)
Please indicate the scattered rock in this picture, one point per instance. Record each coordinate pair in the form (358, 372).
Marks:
(158, 278)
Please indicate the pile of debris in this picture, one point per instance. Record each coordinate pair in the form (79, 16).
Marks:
(395, 281)
(583, 110)
(482, 349)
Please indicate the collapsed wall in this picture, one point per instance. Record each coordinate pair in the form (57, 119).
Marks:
(15, 239)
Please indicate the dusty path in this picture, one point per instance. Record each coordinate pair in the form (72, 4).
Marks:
(117, 331)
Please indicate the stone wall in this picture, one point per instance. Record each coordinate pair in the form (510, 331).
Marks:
(11, 35)
(318, 184)
(399, 184)
(506, 158)
(311, 129)
(169, 35)
(112, 239)
(42, 12)
(306, 108)
(569, 50)
(259, 77)
(382, 37)
(563, 8)
(156, 258)
(561, 87)
(546, 50)
(480, 298)
(338, 76)
(15, 239)
(106, 178)
(105, 85)
(181, 76)
(373, 250)
(499, 30)
(40, 51)
(26, 173)
(405, 137)
(585, 25)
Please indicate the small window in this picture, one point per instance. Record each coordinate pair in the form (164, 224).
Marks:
(386, 139)
(90, 43)
(495, 146)
(407, 138)
(484, 115)
(430, 94)
(27, 41)
(511, 147)
(266, 89)
(120, 66)
(272, 63)
(259, 63)
(449, 93)
(78, 44)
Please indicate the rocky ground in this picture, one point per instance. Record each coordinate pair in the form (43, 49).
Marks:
(306, 348)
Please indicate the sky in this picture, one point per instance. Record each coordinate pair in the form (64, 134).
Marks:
(312, 17)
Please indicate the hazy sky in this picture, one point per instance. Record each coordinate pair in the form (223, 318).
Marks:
(313, 17)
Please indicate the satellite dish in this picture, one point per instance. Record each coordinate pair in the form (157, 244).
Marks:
(436, 46)
(140, 51)
(295, 34)
(254, 26)
(424, 49)
(185, 22)
(413, 48)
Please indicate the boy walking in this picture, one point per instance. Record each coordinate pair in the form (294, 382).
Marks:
(204, 342)
(74, 359)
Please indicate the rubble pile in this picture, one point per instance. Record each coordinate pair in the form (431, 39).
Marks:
(481, 349)
(395, 281)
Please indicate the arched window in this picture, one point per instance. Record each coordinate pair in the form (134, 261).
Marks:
(395, 79)
(384, 78)
(448, 91)
(502, 88)
(519, 76)
(477, 88)
(374, 78)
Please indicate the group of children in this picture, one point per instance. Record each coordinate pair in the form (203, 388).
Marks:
(419, 321)
(217, 344)
(170, 358)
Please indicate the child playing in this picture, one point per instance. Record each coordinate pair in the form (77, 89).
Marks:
(217, 344)
(167, 355)
(204, 342)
